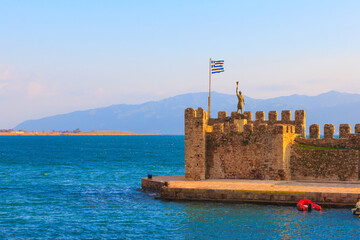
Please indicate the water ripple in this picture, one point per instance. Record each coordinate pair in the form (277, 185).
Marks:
(87, 188)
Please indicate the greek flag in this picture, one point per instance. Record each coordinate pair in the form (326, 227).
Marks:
(217, 66)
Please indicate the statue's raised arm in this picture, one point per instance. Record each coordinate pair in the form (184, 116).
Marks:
(237, 88)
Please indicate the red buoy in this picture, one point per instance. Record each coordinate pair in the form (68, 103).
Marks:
(304, 204)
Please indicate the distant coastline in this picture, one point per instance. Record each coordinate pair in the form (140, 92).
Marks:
(165, 117)
(59, 133)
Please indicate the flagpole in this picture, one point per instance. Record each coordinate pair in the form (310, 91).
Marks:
(209, 99)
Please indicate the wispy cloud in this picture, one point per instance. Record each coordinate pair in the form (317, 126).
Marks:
(4, 73)
(35, 89)
(3, 85)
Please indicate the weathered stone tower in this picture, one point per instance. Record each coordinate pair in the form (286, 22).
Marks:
(195, 142)
(233, 147)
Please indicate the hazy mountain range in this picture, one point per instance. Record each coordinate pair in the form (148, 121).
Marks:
(167, 116)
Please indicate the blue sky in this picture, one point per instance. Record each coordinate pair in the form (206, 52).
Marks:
(61, 56)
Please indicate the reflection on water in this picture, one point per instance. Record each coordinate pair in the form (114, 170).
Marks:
(231, 221)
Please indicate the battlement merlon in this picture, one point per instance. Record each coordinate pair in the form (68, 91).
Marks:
(300, 123)
(314, 130)
(344, 130)
(346, 140)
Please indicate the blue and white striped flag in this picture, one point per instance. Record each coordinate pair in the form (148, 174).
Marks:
(217, 66)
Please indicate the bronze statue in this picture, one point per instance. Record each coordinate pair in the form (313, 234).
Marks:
(241, 101)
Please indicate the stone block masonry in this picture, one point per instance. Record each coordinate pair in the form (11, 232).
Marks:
(327, 159)
(344, 130)
(329, 131)
(254, 191)
(238, 147)
(195, 129)
(260, 148)
(357, 128)
(314, 131)
(324, 164)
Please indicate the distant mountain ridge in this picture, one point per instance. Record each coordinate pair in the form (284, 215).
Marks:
(167, 116)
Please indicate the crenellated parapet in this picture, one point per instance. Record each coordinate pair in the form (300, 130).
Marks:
(272, 117)
(199, 114)
(262, 128)
(299, 122)
(237, 122)
(329, 131)
(249, 128)
(347, 139)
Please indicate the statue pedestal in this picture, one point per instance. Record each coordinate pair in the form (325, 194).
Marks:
(241, 123)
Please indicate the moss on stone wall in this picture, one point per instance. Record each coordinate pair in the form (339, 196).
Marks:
(307, 146)
(324, 163)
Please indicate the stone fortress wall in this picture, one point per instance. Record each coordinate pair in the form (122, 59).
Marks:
(327, 158)
(238, 147)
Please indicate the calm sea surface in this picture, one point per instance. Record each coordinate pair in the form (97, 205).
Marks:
(86, 187)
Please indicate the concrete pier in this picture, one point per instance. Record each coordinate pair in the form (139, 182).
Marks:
(326, 194)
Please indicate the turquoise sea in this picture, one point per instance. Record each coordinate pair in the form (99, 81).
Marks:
(87, 187)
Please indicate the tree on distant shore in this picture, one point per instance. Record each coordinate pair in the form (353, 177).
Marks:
(77, 130)
(7, 130)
